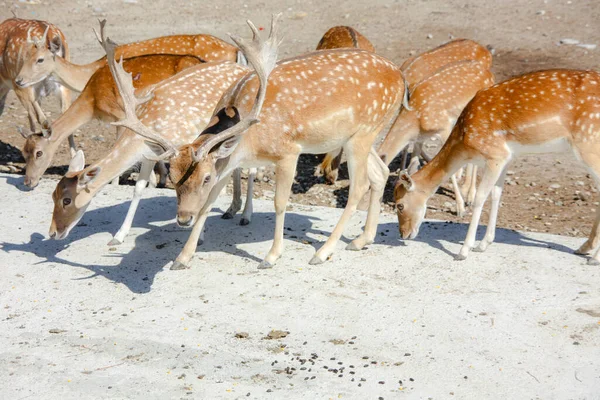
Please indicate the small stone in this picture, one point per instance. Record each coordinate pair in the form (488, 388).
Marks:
(242, 335)
(429, 36)
(554, 186)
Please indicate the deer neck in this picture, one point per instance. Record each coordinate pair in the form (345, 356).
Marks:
(78, 114)
(128, 150)
(451, 157)
(75, 76)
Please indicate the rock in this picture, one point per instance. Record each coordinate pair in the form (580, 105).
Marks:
(242, 335)
(276, 334)
(429, 36)
(55, 330)
(510, 172)
(569, 41)
(554, 186)
(587, 46)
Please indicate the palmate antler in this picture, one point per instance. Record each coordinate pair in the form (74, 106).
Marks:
(262, 55)
(124, 84)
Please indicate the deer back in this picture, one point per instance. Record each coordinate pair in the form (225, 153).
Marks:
(344, 37)
(424, 65)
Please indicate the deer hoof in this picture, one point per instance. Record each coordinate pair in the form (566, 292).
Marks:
(265, 265)
(114, 242)
(353, 246)
(583, 250)
(316, 260)
(460, 257)
(227, 215)
(178, 266)
(244, 221)
(593, 261)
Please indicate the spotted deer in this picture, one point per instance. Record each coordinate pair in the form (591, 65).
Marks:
(98, 100)
(539, 112)
(417, 68)
(314, 104)
(339, 37)
(75, 76)
(177, 108)
(435, 104)
(21, 42)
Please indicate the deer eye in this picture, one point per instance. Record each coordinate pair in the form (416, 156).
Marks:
(38, 154)
(206, 179)
(40, 60)
(400, 207)
(66, 201)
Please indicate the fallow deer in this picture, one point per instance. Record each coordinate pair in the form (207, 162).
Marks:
(98, 100)
(417, 68)
(539, 112)
(344, 37)
(75, 76)
(313, 104)
(339, 37)
(435, 104)
(21, 42)
(179, 108)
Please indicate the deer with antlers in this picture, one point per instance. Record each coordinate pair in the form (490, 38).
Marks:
(75, 76)
(339, 37)
(435, 104)
(309, 104)
(178, 108)
(539, 112)
(21, 42)
(99, 100)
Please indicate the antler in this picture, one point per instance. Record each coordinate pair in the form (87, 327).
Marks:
(100, 36)
(35, 41)
(130, 100)
(262, 54)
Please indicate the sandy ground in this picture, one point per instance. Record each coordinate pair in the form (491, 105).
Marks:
(524, 36)
(397, 320)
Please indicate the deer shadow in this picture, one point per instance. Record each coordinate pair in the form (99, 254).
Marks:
(140, 262)
(434, 233)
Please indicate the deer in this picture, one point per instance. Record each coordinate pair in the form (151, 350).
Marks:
(339, 37)
(98, 100)
(21, 43)
(75, 76)
(435, 104)
(313, 103)
(178, 107)
(415, 70)
(539, 112)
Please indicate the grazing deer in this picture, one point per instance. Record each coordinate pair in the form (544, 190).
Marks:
(417, 68)
(539, 112)
(339, 37)
(75, 76)
(179, 108)
(21, 43)
(435, 104)
(99, 100)
(314, 104)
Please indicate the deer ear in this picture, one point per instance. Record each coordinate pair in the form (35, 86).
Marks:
(77, 162)
(405, 180)
(55, 45)
(89, 176)
(227, 147)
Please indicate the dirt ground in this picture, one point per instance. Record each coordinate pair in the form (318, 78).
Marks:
(550, 193)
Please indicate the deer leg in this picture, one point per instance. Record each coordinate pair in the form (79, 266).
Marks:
(357, 155)
(3, 95)
(65, 103)
(491, 174)
(490, 232)
(236, 203)
(415, 163)
(378, 174)
(472, 186)
(27, 98)
(196, 235)
(145, 172)
(285, 170)
(119, 132)
(163, 172)
(247, 213)
(460, 203)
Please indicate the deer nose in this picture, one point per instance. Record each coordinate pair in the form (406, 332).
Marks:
(19, 81)
(53, 235)
(184, 221)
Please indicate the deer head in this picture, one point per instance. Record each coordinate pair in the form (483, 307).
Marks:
(38, 61)
(196, 168)
(37, 151)
(410, 206)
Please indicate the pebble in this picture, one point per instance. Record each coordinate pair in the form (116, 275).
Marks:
(568, 41)
(554, 186)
